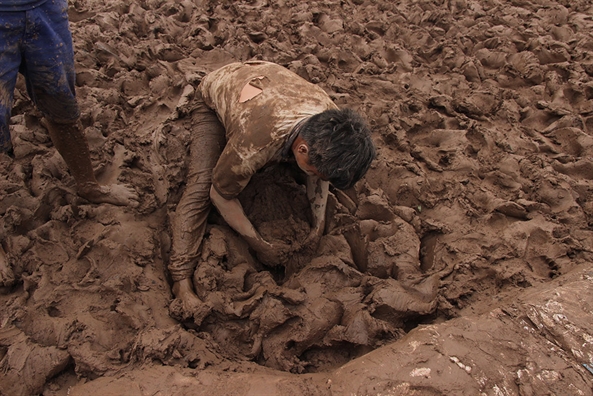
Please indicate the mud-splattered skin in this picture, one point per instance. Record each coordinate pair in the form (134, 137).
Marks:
(317, 191)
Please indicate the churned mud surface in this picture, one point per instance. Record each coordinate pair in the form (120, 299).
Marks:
(461, 264)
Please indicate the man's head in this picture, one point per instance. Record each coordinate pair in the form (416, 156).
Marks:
(335, 145)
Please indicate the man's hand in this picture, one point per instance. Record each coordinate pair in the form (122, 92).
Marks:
(317, 192)
(274, 254)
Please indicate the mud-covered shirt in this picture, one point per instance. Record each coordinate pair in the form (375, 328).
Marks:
(19, 5)
(257, 128)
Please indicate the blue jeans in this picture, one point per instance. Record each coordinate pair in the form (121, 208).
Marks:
(38, 44)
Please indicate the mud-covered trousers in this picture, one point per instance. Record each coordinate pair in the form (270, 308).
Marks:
(188, 223)
(38, 44)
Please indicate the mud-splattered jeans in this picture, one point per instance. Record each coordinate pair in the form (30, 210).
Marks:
(189, 220)
(38, 44)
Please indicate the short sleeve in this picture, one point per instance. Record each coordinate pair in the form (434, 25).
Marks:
(228, 178)
(234, 168)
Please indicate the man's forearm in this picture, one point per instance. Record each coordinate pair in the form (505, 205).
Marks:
(232, 212)
(317, 191)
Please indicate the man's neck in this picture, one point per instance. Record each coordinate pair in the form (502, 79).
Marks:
(294, 133)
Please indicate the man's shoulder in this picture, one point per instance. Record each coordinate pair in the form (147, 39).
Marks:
(252, 67)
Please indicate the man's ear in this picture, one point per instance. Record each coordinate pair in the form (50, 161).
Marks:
(302, 148)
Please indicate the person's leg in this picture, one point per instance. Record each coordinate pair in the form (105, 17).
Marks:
(188, 223)
(48, 68)
(11, 31)
(72, 145)
(12, 27)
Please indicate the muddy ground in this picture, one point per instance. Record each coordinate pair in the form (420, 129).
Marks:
(461, 264)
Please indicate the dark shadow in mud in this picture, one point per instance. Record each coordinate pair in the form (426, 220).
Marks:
(327, 359)
(427, 247)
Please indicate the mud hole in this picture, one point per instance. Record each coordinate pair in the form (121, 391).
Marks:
(461, 263)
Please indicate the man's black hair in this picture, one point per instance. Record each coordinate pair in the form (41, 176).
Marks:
(340, 146)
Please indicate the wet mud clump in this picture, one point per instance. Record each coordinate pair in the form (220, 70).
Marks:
(460, 264)
(322, 308)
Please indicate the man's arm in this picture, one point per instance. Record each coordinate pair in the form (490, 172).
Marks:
(232, 212)
(317, 191)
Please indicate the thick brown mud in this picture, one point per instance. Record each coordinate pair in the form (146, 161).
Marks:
(461, 263)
